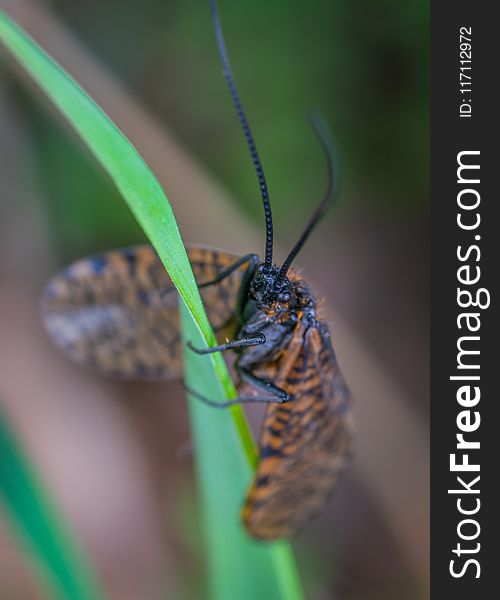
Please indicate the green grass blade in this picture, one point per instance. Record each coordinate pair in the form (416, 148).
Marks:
(240, 567)
(66, 573)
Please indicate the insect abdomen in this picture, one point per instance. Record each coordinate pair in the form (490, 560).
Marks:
(303, 447)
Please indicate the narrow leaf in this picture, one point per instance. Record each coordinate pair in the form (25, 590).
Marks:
(65, 570)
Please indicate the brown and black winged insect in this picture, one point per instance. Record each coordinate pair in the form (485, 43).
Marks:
(114, 312)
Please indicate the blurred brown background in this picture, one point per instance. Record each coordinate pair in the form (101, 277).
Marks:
(109, 451)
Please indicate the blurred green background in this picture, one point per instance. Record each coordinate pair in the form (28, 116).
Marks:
(363, 64)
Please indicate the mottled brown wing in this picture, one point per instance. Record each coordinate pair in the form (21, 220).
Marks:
(114, 312)
(304, 443)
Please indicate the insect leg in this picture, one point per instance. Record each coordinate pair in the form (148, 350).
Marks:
(263, 384)
(253, 259)
(233, 401)
(255, 340)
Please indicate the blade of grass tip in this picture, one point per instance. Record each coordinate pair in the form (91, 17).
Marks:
(148, 202)
(65, 571)
(115, 153)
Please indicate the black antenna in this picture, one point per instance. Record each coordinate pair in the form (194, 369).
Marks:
(322, 132)
(228, 74)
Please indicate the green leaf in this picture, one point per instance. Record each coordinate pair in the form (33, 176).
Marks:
(240, 567)
(225, 452)
(66, 571)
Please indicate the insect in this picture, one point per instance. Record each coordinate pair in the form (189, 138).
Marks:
(114, 312)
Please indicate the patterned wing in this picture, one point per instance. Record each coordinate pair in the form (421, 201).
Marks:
(117, 311)
(304, 443)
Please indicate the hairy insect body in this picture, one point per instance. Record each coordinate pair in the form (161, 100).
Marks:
(114, 312)
(305, 441)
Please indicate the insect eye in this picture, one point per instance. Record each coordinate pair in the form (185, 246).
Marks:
(284, 297)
